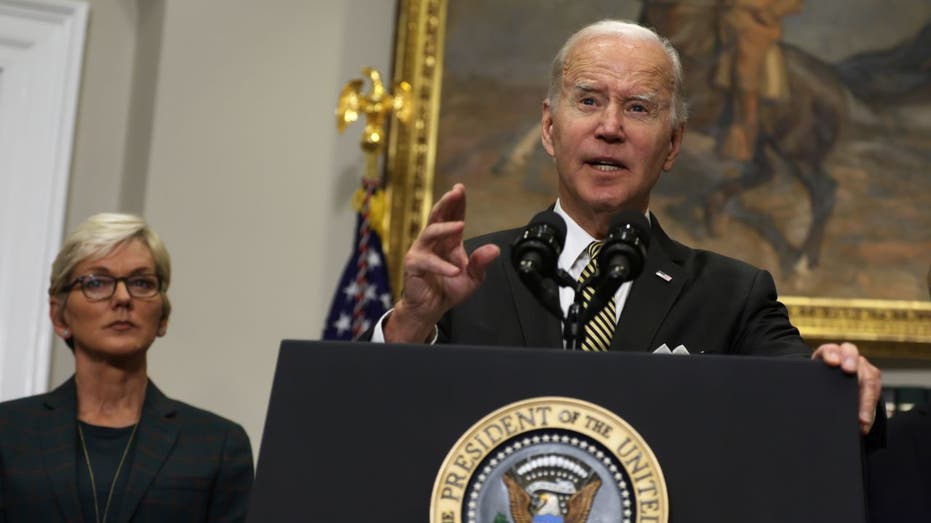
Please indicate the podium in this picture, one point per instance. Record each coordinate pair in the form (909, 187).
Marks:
(360, 432)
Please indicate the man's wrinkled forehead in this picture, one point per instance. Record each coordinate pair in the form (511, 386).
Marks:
(644, 60)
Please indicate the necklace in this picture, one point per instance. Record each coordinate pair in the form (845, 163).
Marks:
(90, 471)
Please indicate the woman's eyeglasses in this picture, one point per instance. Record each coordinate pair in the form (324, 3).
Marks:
(97, 288)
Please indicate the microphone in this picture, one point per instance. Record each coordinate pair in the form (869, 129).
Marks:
(621, 257)
(625, 249)
(534, 255)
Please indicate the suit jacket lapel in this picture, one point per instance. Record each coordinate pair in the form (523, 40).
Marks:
(651, 295)
(58, 436)
(538, 326)
(155, 437)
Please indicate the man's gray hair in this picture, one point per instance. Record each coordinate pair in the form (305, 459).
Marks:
(627, 30)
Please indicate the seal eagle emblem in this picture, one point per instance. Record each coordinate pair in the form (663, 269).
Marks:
(551, 489)
(550, 460)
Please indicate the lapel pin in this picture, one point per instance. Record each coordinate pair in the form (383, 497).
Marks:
(664, 276)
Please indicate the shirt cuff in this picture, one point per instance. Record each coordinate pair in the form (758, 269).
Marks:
(378, 335)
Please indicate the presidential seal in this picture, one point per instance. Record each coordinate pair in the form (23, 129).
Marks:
(550, 460)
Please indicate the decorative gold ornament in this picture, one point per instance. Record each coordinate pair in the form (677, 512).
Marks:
(377, 105)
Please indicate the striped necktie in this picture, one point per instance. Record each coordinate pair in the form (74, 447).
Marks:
(600, 330)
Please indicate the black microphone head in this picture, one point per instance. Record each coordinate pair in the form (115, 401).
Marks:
(550, 218)
(535, 253)
(625, 249)
(635, 220)
(539, 244)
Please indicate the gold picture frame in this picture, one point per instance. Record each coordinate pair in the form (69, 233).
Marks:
(887, 329)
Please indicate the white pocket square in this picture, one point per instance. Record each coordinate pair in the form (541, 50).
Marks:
(664, 349)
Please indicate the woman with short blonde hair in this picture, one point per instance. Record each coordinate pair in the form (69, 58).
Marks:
(108, 445)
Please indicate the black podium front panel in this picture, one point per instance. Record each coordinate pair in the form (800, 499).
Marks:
(358, 432)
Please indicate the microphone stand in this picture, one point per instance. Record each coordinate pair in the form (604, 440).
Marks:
(573, 330)
(573, 326)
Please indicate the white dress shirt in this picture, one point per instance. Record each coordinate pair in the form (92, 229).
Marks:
(574, 258)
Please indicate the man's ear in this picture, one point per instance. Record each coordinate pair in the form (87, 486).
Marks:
(675, 145)
(546, 128)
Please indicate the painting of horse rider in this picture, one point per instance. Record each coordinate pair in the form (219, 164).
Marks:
(808, 144)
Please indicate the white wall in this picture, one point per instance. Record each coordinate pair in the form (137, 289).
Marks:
(102, 128)
(244, 175)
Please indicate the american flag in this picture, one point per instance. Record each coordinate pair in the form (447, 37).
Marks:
(363, 294)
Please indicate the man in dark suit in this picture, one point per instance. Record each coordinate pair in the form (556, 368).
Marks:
(673, 303)
(189, 465)
(613, 121)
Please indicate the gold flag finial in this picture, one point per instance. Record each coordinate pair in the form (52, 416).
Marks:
(376, 105)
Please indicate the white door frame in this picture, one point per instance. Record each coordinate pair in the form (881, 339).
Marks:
(41, 51)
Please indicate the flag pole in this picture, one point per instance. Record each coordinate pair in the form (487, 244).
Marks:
(359, 295)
